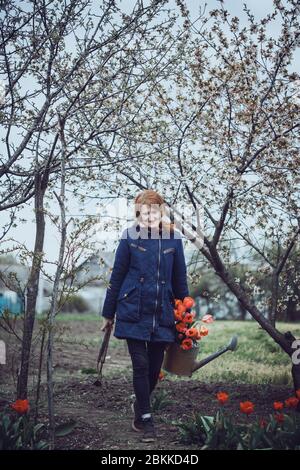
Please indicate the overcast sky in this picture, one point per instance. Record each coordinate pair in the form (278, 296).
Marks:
(25, 233)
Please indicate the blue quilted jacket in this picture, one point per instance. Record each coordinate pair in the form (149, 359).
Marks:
(147, 275)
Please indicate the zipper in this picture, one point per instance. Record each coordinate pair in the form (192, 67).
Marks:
(157, 284)
(139, 304)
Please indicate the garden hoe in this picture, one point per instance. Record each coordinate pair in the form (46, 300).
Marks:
(102, 354)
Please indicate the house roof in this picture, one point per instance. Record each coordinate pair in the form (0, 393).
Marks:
(13, 276)
(95, 269)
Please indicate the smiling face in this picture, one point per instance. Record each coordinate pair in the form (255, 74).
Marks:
(150, 215)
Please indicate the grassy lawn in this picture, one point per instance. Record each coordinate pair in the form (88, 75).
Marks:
(258, 360)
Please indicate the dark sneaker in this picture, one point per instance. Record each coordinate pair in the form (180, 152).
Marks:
(137, 423)
(149, 433)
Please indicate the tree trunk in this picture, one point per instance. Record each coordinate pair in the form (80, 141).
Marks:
(284, 340)
(296, 376)
(243, 312)
(39, 375)
(32, 288)
(55, 292)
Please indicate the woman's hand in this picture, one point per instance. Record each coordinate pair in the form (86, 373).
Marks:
(107, 323)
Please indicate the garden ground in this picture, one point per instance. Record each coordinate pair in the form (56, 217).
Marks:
(257, 371)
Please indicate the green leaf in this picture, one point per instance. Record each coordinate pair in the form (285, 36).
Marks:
(65, 428)
(6, 422)
(207, 422)
(38, 427)
(42, 445)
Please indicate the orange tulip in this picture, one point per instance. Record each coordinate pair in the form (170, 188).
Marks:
(277, 405)
(178, 316)
(222, 397)
(198, 335)
(161, 375)
(178, 302)
(188, 318)
(292, 402)
(181, 327)
(192, 332)
(203, 331)
(180, 309)
(247, 407)
(187, 344)
(188, 302)
(20, 406)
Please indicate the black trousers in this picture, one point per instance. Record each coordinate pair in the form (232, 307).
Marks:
(147, 358)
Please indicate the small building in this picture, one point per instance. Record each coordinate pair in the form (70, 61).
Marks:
(13, 278)
(13, 281)
(91, 277)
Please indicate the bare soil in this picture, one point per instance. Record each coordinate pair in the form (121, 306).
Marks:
(103, 414)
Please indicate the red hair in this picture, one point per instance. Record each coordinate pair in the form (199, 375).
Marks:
(148, 197)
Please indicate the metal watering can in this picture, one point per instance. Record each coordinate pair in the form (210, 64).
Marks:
(184, 362)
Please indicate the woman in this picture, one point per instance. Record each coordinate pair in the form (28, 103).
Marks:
(149, 272)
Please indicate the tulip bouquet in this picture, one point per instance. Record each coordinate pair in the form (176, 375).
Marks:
(188, 330)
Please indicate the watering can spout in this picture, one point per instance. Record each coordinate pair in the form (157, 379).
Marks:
(232, 345)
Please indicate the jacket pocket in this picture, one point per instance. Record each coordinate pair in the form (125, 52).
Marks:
(141, 248)
(167, 317)
(169, 250)
(128, 304)
(168, 256)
